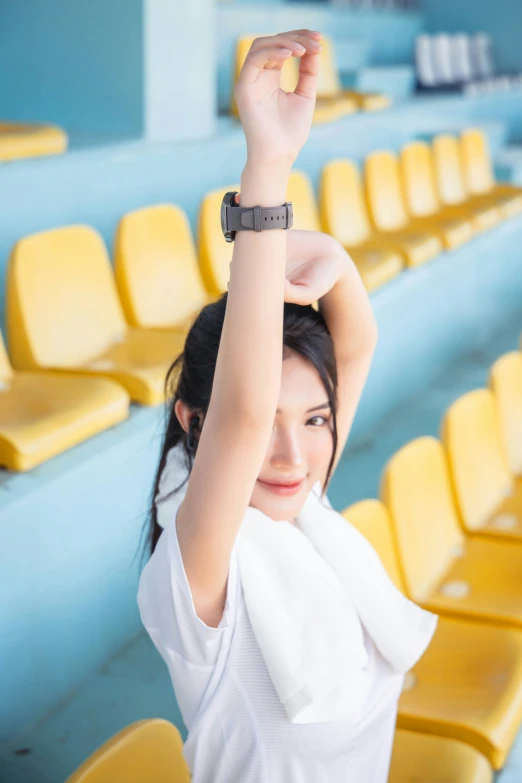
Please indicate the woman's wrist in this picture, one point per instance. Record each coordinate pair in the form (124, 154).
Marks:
(264, 183)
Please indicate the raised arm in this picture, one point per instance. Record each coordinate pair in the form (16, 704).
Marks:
(237, 427)
(318, 263)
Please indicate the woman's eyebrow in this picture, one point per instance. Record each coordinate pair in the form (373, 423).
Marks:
(317, 407)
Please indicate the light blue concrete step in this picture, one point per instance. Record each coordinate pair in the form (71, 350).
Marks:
(351, 54)
(496, 131)
(508, 164)
(398, 81)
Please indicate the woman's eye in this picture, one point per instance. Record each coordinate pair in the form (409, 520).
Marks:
(317, 421)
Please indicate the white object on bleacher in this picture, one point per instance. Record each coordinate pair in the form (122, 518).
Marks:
(482, 56)
(441, 58)
(461, 64)
(424, 61)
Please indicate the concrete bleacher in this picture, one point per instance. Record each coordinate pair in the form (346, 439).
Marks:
(71, 528)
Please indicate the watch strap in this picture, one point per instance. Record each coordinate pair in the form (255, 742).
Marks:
(259, 218)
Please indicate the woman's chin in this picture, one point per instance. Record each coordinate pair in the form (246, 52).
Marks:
(278, 508)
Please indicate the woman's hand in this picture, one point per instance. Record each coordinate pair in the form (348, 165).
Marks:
(314, 264)
(276, 123)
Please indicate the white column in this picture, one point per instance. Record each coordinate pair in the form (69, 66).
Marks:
(179, 69)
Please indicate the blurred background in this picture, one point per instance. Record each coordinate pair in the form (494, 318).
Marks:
(118, 137)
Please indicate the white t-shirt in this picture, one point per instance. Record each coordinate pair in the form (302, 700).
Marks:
(238, 731)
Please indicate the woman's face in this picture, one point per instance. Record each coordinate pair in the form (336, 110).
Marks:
(300, 445)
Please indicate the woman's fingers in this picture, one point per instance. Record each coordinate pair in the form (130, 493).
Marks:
(307, 81)
(257, 60)
(271, 51)
(296, 40)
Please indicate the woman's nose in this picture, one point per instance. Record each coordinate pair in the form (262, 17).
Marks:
(286, 451)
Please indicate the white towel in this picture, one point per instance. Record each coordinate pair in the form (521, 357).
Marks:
(308, 587)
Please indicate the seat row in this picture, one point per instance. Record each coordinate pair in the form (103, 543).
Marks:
(152, 749)
(461, 62)
(413, 205)
(333, 101)
(444, 60)
(68, 314)
(24, 140)
(448, 528)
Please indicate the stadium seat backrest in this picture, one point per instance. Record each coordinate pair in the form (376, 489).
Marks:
(461, 57)
(341, 199)
(6, 371)
(328, 82)
(418, 179)
(383, 191)
(62, 303)
(506, 382)
(441, 56)
(371, 518)
(478, 173)
(424, 61)
(289, 71)
(148, 750)
(477, 456)
(215, 253)
(449, 171)
(416, 489)
(156, 267)
(301, 193)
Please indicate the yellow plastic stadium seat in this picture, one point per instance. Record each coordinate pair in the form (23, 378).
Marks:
(422, 201)
(63, 313)
(505, 380)
(43, 414)
(421, 758)
(215, 253)
(148, 751)
(329, 85)
(326, 109)
(489, 500)
(417, 244)
(449, 175)
(157, 270)
(301, 193)
(345, 217)
(23, 140)
(443, 569)
(467, 685)
(479, 177)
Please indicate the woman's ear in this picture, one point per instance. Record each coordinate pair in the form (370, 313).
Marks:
(183, 414)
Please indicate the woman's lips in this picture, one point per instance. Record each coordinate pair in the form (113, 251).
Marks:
(282, 489)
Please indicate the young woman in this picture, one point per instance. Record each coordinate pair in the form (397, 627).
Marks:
(264, 397)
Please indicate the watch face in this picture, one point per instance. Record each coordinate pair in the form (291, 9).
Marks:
(228, 200)
(223, 217)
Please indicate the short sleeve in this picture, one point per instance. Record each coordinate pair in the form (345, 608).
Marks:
(167, 608)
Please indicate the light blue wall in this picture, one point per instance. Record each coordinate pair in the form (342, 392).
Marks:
(501, 18)
(75, 63)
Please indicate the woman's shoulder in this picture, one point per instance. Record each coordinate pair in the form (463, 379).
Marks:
(167, 606)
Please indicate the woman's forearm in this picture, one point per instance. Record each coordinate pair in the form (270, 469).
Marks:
(349, 316)
(248, 370)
